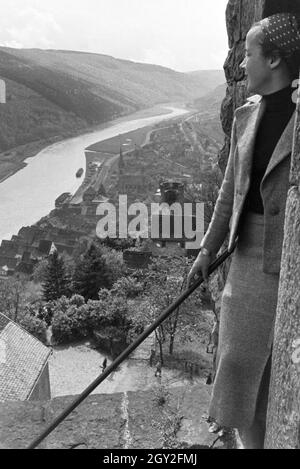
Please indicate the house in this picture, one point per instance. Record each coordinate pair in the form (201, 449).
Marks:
(28, 233)
(8, 264)
(63, 199)
(132, 183)
(26, 267)
(19, 243)
(5, 272)
(91, 201)
(24, 371)
(7, 245)
(64, 248)
(26, 257)
(45, 247)
(10, 251)
(41, 249)
(175, 226)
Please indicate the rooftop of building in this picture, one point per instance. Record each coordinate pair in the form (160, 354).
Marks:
(22, 360)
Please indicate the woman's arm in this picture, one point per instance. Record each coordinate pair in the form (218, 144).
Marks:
(219, 225)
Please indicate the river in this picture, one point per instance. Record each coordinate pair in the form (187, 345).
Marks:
(30, 194)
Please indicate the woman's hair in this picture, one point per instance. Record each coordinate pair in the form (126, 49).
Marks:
(292, 59)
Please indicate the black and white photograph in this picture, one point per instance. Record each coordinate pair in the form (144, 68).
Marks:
(149, 227)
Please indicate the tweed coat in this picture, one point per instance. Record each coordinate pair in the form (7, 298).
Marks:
(248, 311)
(274, 186)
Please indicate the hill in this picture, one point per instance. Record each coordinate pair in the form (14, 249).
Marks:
(51, 92)
(215, 77)
(212, 101)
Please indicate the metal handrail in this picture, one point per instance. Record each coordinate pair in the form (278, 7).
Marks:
(213, 266)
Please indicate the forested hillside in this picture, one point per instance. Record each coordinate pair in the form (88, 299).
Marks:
(51, 92)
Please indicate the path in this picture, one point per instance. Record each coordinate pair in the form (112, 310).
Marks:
(74, 367)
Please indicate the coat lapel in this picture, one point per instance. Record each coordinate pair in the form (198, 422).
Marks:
(283, 147)
(248, 120)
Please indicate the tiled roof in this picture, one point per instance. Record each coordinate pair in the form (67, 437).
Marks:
(22, 359)
(7, 244)
(64, 248)
(10, 262)
(25, 268)
(9, 250)
(26, 256)
(45, 246)
(28, 233)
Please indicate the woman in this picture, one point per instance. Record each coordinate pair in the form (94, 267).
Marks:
(251, 205)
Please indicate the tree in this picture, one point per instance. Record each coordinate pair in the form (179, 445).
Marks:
(56, 282)
(114, 262)
(39, 270)
(163, 284)
(12, 296)
(91, 273)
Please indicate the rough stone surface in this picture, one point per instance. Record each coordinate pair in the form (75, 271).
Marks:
(283, 422)
(240, 15)
(144, 427)
(295, 165)
(284, 406)
(96, 423)
(123, 420)
(193, 430)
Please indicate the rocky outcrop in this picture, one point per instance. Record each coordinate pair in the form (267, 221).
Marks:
(283, 425)
(240, 15)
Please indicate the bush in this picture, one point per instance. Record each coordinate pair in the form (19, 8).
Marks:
(73, 319)
(127, 286)
(64, 328)
(34, 326)
(119, 244)
(114, 262)
(71, 325)
(77, 300)
(98, 315)
(118, 313)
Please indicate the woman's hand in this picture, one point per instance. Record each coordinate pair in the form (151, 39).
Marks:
(200, 265)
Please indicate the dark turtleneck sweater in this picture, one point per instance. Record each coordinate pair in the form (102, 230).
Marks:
(278, 112)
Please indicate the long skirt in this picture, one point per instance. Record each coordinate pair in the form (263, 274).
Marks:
(248, 308)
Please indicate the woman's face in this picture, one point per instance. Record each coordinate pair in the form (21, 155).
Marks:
(256, 65)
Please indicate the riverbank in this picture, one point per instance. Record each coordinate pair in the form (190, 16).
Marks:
(13, 160)
(30, 194)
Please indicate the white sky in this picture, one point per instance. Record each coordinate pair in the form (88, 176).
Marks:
(181, 34)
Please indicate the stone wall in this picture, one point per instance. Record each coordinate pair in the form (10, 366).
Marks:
(42, 391)
(240, 15)
(283, 430)
(130, 420)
